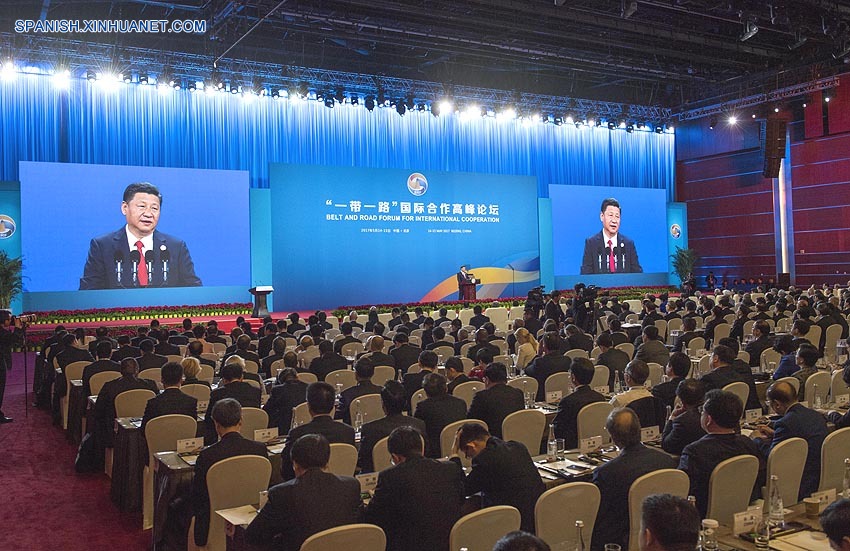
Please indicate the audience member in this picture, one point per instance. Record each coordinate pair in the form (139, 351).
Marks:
(497, 400)
(413, 381)
(233, 386)
(364, 369)
(839, 419)
(835, 521)
(807, 359)
(565, 422)
(288, 393)
(404, 353)
(392, 402)
(172, 400)
(683, 426)
(689, 326)
(454, 373)
(520, 541)
(437, 410)
(191, 371)
(615, 360)
(668, 523)
(651, 349)
(328, 361)
(677, 369)
(549, 363)
(103, 351)
(721, 373)
(104, 407)
(636, 374)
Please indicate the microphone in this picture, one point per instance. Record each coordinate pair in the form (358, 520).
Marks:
(135, 257)
(119, 260)
(623, 250)
(164, 257)
(149, 262)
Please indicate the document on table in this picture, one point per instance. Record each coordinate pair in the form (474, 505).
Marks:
(801, 541)
(238, 516)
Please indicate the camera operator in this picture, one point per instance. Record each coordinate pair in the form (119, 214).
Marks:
(534, 301)
(11, 333)
(552, 310)
(584, 306)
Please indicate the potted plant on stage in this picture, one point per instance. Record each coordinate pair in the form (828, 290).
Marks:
(11, 279)
(684, 261)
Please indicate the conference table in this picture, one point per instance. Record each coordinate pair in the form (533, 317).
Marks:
(796, 542)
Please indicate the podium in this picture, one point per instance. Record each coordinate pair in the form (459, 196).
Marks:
(260, 293)
(468, 289)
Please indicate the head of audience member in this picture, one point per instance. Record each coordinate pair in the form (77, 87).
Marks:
(405, 319)
(668, 523)
(404, 443)
(364, 369)
(481, 336)
(400, 339)
(731, 343)
(307, 341)
(761, 329)
(439, 334)
(636, 373)
(129, 367)
(462, 335)
(650, 333)
(171, 375)
(689, 324)
(293, 318)
(428, 360)
(721, 356)
(69, 340)
(281, 326)
(191, 367)
(238, 360)
(785, 345)
(212, 331)
(122, 340)
(235, 333)
(781, 396)
(278, 346)
(101, 333)
(287, 375)
(375, 343)
(454, 367)
(624, 427)
(227, 416)
(615, 325)
(378, 328)
(551, 343)
(320, 399)
(311, 451)
(691, 392)
(523, 336)
(346, 328)
(270, 329)
(489, 328)
(520, 541)
(195, 348)
(434, 385)
(325, 348)
(103, 350)
(477, 310)
(456, 324)
(807, 356)
(146, 346)
(471, 439)
(495, 374)
(393, 398)
(604, 341)
(187, 324)
(678, 365)
(835, 521)
(484, 357)
(582, 371)
(199, 331)
(721, 412)
(800, 328)
(572, 329)
(428, 323)
(232, 371)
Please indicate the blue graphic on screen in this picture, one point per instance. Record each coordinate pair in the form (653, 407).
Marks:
(637, 253)
(356, 236)
(69, 209)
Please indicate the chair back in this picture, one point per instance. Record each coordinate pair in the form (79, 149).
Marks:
(212, 356)
(207, 373)
(662, 481)
(383, 373)
(331, 333)
(251, 366)
(197, 391)
(739, 389)
(351, 349)
(674, 324)
(370, 407)
(465, 348)
(744, 356)
(787, 460)
(351, 537)
(591, 421)
(176, 358)
(822, 379)
(558, 509)
(730, 487)
(656, 373)
(594, 354)
(837, 386)
(833, 333)
(305, 357)
(99, 379)
(153, 374)
(651, 411)
(466, 391)
(343, 459)
(300, 415)
(525, 384)
(814, 334)
(482, 529)
(721, 331)
(661, 325)
(163, 432)
(444, 353)
(131, 403)
(628, 348)
(417, 397)
(307, 377)
(601, 373)
(769, 356)
(793, 381)
(468, 364)
(234, 482)
(558, 381)
(832, 455)
(525, 426)
(381, 458)
(345, 377)
(219, 347)
(576, 353)
(253, 419)
(447, 437)
(696, 343)
(256, 384)
(74, 371)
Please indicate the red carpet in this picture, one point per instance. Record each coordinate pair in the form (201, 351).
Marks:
(44, 504)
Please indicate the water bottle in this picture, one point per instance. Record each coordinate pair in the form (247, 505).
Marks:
(580, 536)
(692, 500)
(845, 488)
(817, 402)
(618, 386)
(552, 445)
(777, 508)
(709, 534)
(358, 419)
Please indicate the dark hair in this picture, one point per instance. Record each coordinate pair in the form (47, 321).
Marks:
(195, 348)
(199, 331)
(311, 451)
(400, 337)
(680, 363)
(146, 345)
(651, 332)
(689, 324)
(453, 362)
(691, 392)
(782, 392)
(141, 187)
(68, 339)
(471, 432)
(802, 326)
(762, 326)
(231, 372)
(623, 425)
(187, 324)
(326, 347)
(615, 325)
(496, 373)
(427, 358)
(405, 441)
(364, 368)
(673, 521)
(784, 344)
(609, 202)
(731, 343)
(484, 355)
(320, 397)
(583, 370)
(551, 341)
(103, 349)
(439, 333)
(724, 407)
(638, 370)
(434, 384)
(520, 541)
(724, 354)
(345, 328)
(294, 317)
(279, 345)
(808, 353)
(604, 340)
(393, 397)
(171, 373)
(476, 309)
(227, 412)
(835, 520)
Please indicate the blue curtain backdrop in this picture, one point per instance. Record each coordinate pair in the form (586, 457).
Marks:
(140, 125)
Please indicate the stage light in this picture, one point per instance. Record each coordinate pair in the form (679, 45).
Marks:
(421, 107)
(61, 78)
(630, 128)
(330, 102)
(382, 99)
(733, 120)
(558, 121)
(355, 100)
(400, 107)
(192, 86)
(472, 111)
(776, 109)
(612, 125)
(369, 103)
(143, 80)
(712, 122)
(126, 77)
(234, 88)
(659, 129)
(827, 95)
(507, 114)
(670, 129)
(750, 30)
(91, 76)
(446, 107)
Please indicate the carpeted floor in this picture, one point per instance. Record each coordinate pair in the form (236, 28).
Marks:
(44, 504)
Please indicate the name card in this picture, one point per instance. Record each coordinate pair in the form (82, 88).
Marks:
(752, 415)
(649, 433)
(189, 444)
(553, 396)
(203, 405)
(604, 389)
(746, 521)
(264, 435)
(825, 497)
(842, 400)
(368, 481)
(588, 445)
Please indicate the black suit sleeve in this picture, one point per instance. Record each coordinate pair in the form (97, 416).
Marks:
(94, 272)
(587, 261)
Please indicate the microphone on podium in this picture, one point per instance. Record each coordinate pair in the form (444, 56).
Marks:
(119, 261)
(164, 257)
(135, 258)
(149, 265)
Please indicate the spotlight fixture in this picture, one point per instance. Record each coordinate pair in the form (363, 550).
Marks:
(91, 76)
(369, 103)
(659, 129)
(192, 86)
(329, 101)
(630, 127)
(127, 78)
(712, 122)
(275, 93)
(827, 95)
(382, 99)
(355, 100)
(611, 125)
(421, 106)
(320, 96)
(143, 80)
(750, 30)
(732, 120)
(339, 96)
(400, 107)
(410, 103)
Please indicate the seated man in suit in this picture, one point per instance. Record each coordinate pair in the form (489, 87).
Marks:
(835, 521)
(364, 369)
(103, 363)
(683, 426)
(375, 352)
(165, 348)
(565, 422)
(172, 400)
(720, 418)
(609, 251)
(233, 386)
(615, 478)
(148, 359)
(762, 342)
(721, 373)
(114, 253)
(462, 338)
(346, 329)
(413, 381)
(313, 501)
(100, 334)
(320, 402)
(392, 401)
(454, 373)
(668, 523)
(327, 362)
(277, 353)
(437, 410)
(227, 418)
(744, 371)
(551, 362)
(439, 336)
(264, 346)
(689, 326)
(104, 407)
(652, 350)
(285, 395)
(404, 353)
(676, 370)
(478, 319)
(194, 350)
(797, 421)
(615, 360)
(497, 400)
(418, 500)
(503, 472)
(243, 344)
(637, 372)
(482, 343)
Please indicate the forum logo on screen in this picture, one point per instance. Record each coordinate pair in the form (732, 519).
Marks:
(417, 184)
(7, 226)
(676, 231)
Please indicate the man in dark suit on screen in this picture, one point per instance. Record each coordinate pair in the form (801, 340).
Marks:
(609, 251)
(138, 255)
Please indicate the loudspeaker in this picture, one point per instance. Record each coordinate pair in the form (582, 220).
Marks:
(783, 280)
(774, 147)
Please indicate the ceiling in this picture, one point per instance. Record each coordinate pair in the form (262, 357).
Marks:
(670, 53)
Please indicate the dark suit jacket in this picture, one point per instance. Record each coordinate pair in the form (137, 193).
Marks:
(375, 430)
(653, 352)
(379, 358)
(681, 431)
(493, 404)
(231, 445)
(283, 398)
(93, 344)
(473, 350)
(542, 366)
(170, 401)
(405, 356)
(756, 347)
(99, 271)
(745, 372)
(125, 352)
(680, 344)
(552, 311)
(478, 321)
(666, 392)
(73, 354)
(595, 257)
(437, 412)
(266, 364)
(151, 361)
(566, 420)
(416, 503)
(165, 348)
(98, 366)
(720, 377)
(614, 479)
(321, 366)
(348, 395)
(335, 431)
(264, 346)
(459, 380)
(616, 361)
(104, 408)
(505, 475)
(247, 395)
(342, 342)
(699, 459)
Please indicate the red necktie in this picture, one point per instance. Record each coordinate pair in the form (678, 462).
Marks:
(143, 266)
(612, 267)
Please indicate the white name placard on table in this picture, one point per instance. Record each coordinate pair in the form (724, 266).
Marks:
(368, 481)
(825, 497)
(264, 435)
(745, 521)
(203, 405)
(587, 445)
(602, 389)
(649, 434)
(553, 396)
(752, 415)
(842, 400)
(186, 445)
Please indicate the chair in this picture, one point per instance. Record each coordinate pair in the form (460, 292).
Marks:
(213, 357)
(632, 318)
(822, 380)
(558, 509)
(525, 384)
(576, 353)
(721, 331)
(307, 377)
(627, 347)
(331, 334)
(482, 529)
(305, 357)
(351, 537)
(601, 374)
(525, 426)
(417, 397)
(251, 366)
(344, 377)
(219, 347)
(207, 373)
(131, 403)
(594, 354)
(662, 481)
(231, 482)
(739, 389)
(769, 356)
(253, 419)
(197, 391)
(661, 325)
(468, 364)
(153, 374)
(257, 384)
(351, 349)
(444, 353)
(504, 359)
(343, 459)
(674, 324)
(381, 458)
(651, 411)
(833, 333)
(415, 341)
(383, 373)
(814, 335)
(466, 391)
(837, 386)
(465, 348)
(591, 421)
(832, 455)
(696, 343)
(369, 406)
(176, 358)
(501, 345)
(162, 434)
(99, 379)
(730, 487)
(558, 381)
(300, 415)
(447, 437)
(656, 373)
(744, 356)
(793, 381)
(787, 460)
